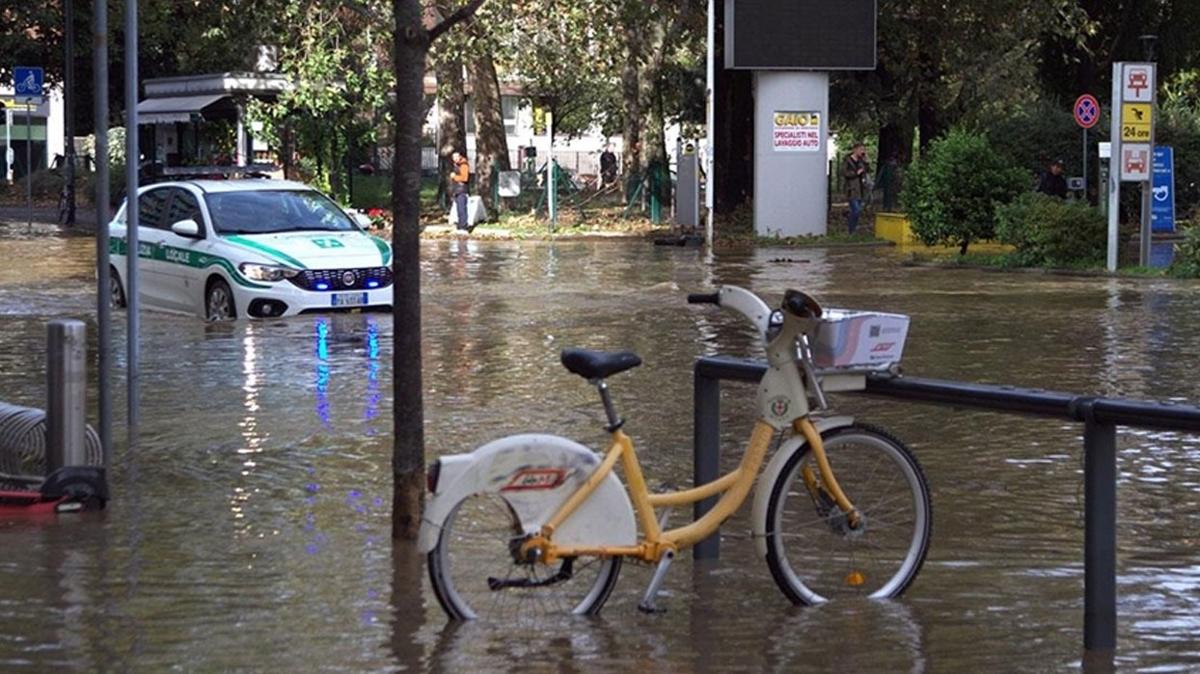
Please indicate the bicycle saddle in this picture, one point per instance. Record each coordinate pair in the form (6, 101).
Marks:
(598, 364)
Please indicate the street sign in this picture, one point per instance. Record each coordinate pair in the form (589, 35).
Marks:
(1135, 162)
(1162, 205)
(28, 81)
(1087, 111)
(1137, 83)
(1137, 119)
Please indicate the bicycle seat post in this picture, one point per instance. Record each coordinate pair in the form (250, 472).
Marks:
(614, 421)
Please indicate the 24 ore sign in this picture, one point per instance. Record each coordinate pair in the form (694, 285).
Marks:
(796, 131)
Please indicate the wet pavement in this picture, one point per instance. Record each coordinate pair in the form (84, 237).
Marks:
(250, 526)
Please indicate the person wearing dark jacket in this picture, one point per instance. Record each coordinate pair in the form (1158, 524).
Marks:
(854, 172)
(1052, 181)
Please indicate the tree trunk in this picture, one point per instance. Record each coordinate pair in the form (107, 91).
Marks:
(452, 124)
(491, 142)
(411, 43)
(654, 145)
(631, 133)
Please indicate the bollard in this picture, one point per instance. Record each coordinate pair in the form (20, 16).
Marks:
(706, 439)
(1099, 535)
(66, 389)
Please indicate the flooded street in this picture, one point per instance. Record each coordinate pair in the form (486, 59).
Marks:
(250, 528)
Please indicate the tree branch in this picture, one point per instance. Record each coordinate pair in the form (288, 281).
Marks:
(461, 14)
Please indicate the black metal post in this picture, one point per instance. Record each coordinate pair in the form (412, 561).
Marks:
(1100, 534)
(706, 448)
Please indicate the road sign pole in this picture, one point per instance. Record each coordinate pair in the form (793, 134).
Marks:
(29, 159)
(1114, 173)
(1085, 148)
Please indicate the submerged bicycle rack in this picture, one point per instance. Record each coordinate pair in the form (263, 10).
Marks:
(1099, 416)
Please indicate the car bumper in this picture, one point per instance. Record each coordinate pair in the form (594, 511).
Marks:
(285, 299)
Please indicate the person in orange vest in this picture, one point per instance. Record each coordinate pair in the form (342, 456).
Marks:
(458, 179)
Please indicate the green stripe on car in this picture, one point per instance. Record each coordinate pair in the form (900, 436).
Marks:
(183, 256)
(279, 255)
(385, 252)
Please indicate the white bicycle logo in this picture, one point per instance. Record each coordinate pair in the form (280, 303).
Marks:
(29, 86)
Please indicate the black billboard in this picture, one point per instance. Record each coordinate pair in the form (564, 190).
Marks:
(800, 34)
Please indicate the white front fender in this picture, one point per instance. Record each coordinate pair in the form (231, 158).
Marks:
(762, 493)
(535, 474)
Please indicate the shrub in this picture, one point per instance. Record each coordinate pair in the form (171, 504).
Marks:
(1187, 254)
(952, 192)
(1048, 231)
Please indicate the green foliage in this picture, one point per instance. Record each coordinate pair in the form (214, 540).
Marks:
(334, 59)
(1187, 254)
(1052, 232)
(951, 195)
(1031, 136)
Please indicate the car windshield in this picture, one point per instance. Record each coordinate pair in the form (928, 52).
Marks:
(271, 211)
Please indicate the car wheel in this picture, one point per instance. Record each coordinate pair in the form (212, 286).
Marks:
(218, 302)
(116, 294)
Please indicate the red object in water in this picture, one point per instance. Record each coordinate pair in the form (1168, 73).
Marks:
(14, 503)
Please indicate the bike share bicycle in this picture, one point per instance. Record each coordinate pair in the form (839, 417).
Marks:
(539, 525)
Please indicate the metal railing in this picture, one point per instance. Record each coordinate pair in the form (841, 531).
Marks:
(1099, 416)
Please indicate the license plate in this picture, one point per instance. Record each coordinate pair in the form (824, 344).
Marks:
(349, 299)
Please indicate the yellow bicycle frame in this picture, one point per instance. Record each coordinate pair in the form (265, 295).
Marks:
(734, 487)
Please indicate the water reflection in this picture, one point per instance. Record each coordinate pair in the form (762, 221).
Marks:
(262, 486)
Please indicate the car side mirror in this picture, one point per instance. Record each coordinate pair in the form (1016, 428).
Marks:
(188, 228)
(362, 220)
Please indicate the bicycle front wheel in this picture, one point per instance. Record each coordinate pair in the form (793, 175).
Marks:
(476, 572)
(815, 553)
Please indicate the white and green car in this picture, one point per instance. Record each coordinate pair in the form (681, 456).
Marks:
(254, 248)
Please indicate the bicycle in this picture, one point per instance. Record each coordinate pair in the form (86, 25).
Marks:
(541, 523)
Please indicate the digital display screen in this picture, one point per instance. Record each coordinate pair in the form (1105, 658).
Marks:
(800, 34)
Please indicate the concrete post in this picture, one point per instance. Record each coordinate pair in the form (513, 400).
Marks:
(791, 131)
(66, 390)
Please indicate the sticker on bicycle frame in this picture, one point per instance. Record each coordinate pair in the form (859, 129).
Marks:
(780, 406)
(528, 479)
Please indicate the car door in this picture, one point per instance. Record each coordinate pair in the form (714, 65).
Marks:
(182, 255)
(152, 281)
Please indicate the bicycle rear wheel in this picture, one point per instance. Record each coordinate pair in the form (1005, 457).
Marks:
(815, 555)
(475, 572)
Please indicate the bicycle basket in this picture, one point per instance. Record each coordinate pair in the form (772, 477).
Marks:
(859, 340)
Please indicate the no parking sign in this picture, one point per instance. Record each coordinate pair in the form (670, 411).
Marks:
(1087, 111)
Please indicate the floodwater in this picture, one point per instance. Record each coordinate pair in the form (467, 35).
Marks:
(250, 528)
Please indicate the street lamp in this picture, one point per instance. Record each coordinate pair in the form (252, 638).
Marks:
(1149, 43)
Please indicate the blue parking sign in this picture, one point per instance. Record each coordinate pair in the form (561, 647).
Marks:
(28, 80)
(1162, 202)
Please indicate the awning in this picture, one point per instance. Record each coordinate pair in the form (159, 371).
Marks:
(174, 109)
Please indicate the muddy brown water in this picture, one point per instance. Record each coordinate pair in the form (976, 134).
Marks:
(250, 525)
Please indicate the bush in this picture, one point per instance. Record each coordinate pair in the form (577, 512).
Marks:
(1187, 254)
(951, 194)
(1048, 231)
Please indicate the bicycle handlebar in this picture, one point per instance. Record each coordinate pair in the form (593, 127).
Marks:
(704, 298)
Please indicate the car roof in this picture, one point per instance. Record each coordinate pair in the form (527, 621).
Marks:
(234, 185)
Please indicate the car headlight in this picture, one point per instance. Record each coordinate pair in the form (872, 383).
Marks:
(266, 272)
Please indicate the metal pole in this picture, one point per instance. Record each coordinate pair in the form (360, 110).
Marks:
(131, 214)
(552, 203)
(709, 120)
(29, 157)
(706, 448)
(1085, 158)
(1144, 234)
(66, 388)
(103, 281)
(1114, 173)
(1100, 535)
(69, 106)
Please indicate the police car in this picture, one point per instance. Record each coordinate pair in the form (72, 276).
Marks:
(254, 248)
